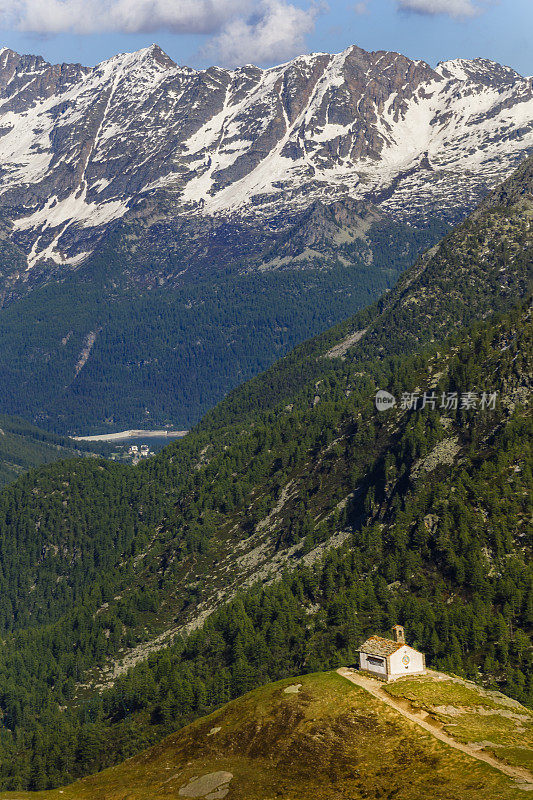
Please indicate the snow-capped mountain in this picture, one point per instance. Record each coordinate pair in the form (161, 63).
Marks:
(82, 147)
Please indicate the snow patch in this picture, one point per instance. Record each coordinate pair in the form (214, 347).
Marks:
(73, 209)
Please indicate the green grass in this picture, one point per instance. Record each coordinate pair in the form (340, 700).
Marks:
(471, 715)
(517, 756)
(427, 691)
(329, 741)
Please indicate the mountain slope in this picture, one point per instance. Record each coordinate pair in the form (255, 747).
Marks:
(315, 735)
(483, 266)
(427, 512)
(23, 446)
(109, 347)
(162, 225)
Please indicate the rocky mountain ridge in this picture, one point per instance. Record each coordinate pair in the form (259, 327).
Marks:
(140, 137)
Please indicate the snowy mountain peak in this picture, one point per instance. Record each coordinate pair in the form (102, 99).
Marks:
(155, 52)
(151, 59)
(478, 69)
(83, 147)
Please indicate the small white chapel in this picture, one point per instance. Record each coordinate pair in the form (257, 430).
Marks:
(388, 659)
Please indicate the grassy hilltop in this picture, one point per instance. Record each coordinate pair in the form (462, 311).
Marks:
(316, 736)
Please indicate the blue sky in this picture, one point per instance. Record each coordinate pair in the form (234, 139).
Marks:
(233, 32)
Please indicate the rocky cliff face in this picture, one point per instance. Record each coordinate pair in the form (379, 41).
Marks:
(140, 138)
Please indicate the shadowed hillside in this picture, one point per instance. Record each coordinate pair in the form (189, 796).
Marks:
(23, 446)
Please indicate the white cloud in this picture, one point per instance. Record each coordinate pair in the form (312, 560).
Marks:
(275, 32)
(361, 8)
(453, 8)
(259, 31)
(125, 16)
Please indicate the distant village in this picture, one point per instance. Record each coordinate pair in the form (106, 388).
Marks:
(137, 452)
(133, 454)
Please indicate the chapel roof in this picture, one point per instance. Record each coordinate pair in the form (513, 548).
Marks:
(378, 646)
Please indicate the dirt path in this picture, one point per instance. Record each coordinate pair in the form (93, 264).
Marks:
(523, 776)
